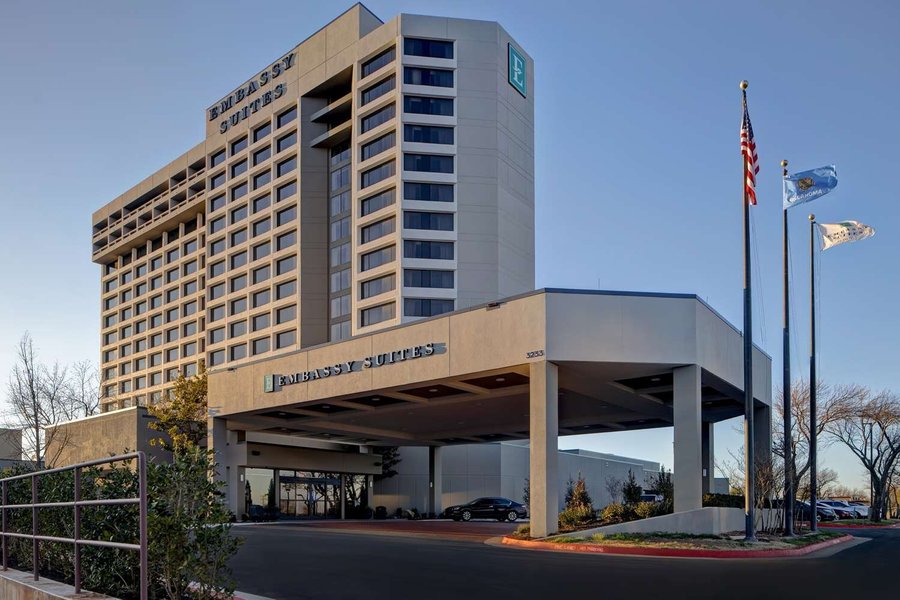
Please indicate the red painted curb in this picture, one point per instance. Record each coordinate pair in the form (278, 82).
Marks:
(683, 552)
(853, 526)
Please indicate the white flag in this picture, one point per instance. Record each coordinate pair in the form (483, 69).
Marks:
(845, 231)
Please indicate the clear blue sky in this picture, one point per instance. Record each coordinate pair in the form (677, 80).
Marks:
(638, 171)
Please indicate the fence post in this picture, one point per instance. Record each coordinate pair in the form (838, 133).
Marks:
(142, 492)
(4, 524)
(35, 558)
(77, 498)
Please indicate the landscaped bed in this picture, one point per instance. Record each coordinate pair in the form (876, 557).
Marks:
(862, 523)
(677, 544)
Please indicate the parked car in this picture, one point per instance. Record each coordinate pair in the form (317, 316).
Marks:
(861, 508)
(651, 498)
(844, 508)
(840, 511)
(823, 512)
(502, 509)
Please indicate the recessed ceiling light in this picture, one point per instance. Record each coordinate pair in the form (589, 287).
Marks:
(654, 379)
(500, 379)
(433, 390)
(326, 406)
(375, 398)
(282, 414)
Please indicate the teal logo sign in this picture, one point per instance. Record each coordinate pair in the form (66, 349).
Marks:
(518, 77)
(269, 383)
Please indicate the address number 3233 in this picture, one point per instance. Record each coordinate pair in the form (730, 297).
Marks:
(534, 354)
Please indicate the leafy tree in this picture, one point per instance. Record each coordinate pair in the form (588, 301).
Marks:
(662, 484)
(390, 458)
(631, 491)
(579, 496)
(182, 415)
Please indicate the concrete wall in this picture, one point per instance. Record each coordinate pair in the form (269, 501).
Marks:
(474, 470)
(103, 435)
(10, 444)
(16, 585)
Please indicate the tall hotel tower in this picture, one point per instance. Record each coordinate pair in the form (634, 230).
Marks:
(374, 174)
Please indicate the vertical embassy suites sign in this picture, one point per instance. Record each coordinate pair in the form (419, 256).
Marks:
(230, 108)
(272, 383)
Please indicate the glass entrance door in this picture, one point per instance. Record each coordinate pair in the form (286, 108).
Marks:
(309, 495)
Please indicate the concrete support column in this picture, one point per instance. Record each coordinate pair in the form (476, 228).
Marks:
(762, 433)
(435, 481)
(688, 447)
(343, 497)
(370, 493)
(544, 452)
(225, 473)
(707, 436)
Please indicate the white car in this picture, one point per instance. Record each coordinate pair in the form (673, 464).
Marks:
(861, 509)
(860, 512)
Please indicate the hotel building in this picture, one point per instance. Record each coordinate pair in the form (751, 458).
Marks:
(372, 175)
(350, 251)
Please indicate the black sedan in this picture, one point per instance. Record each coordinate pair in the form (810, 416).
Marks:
(502, 509)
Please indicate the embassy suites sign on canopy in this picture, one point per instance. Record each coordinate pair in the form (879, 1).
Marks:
(250, 97)
(272, 383)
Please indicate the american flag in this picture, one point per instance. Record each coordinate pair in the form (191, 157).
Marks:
(748, 151)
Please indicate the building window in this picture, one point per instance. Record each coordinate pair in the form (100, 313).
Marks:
(259, 346)
(377, 230)
(340, 255)
(428, 134)
(238, 214)
(172, 275)
(340, 281)
(379, 117)
(156, 340)
(431, 77)
(156, 282)
(426, 307)
(172, 315)
(429, 48)
(427, 249)
(427, 278)
(340, 306)
(340, 154)
(285, 216)
(217, 225)
(285, 240)
(216, 313)
(429, 192)
(286, 142)
(238, 283)
(262, 131)
(340, 331)
(378, 286)
(286, 117)
(378, 146)
(259, 322)
(216, 203)
(238, 237)
(238, 145)
(238, 352)
(428, 163)
(286, 339)
(286, 191)
(261, 203)
(379, 173)
(377, 314)
(217, 357)
(238, 306)
(428, 220)
(377, 202)
(340, 229)
(261, 274)
(189, 349)
(262, 179)
(216, 180)
(377, 258)
(216, 247)
(377, 61)
(155, 263)
(286, 166)
(216, 158)
(260, 298)
(189, 309)
(172, 295)
(171, 354)
(285, 290)
(262, 155)
(238, 260)
(217, 335)
(340, 203)
(156, 320)
(286, 314)
(218, 268)
(261, 227)
(238, 329)
(190, 268)
(189, 329)
(239, 168)
(423, 105)
(239, 192)
(189, 288)
(286, 265)
(378, 90)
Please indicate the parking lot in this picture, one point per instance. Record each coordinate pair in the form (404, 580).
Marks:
(435, 560)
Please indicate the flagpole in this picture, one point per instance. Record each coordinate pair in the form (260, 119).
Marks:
(749, 450)
(786, 380)
(813, 492)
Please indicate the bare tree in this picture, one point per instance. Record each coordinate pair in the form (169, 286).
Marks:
(869, 425)
(613, 488)
(829, 400)
(84, 388)
(826, 484)
(40, 397)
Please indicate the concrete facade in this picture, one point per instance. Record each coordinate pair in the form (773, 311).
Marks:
(375, 174)
(501, 469)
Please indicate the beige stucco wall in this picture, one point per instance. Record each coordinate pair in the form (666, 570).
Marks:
(103, 435)
(10, 444)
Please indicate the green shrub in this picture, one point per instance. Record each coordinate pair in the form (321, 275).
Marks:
(631, 491)
(645, 510)
(616, 513)
(575, 516)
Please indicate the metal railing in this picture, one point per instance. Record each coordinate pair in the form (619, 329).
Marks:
(77, 504)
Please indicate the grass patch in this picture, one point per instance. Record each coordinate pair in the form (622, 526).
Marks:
(881, 523)
(810, 538)
(565, 539)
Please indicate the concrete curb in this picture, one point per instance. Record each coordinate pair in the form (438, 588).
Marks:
(675, 552)
(853, 526)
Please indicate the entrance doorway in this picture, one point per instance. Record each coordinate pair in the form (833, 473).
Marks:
(309, 496)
